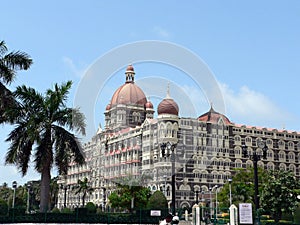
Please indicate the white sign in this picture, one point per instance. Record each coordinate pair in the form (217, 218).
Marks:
(155, 213)
(245, 213)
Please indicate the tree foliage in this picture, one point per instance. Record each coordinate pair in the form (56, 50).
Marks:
(242, 187)
(157, 201)
(10, 62)
(42, 131)
(279, 194)
(84, 188)
(130, 191)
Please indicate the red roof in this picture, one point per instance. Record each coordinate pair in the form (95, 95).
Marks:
(214, 117)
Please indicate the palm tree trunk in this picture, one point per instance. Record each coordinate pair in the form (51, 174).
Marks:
(45, 188)
(83, 199)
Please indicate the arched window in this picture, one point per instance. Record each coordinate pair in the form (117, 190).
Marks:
(282, 166)
(249, 163)
(270, 166)
(292, 168)
(281, 156)
(238, 163)
(291, 156)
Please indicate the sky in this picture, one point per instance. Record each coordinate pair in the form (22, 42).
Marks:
(251, 49)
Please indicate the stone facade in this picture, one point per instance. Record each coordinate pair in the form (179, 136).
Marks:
(207, 150)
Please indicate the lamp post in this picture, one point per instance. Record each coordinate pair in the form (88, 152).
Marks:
(230, 197)
(28, 197)
(104, 198)
(165, 189)
(165, 149)
(216, 190)
(255, 157)
(14, 185)
(197, 195)
(210, 202)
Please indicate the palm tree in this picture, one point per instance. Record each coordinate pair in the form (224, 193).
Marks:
(9, 63)
(84, 187)
(44, 122)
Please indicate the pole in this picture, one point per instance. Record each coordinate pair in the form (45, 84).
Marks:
(13, 203)
(256, 199)
(28, 196)
(230, 197)
(65, 197)
(173, 181)
(14, 185)
(216, 199)
(210, 202)
(165, 189)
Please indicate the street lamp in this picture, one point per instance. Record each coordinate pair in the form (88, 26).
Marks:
(28, 197)
(104, 198)
(255, 157)
(230, 197)
(197, 195)
(216, 190)
(210, 202)
(165, 150)
(14, 185)
(165, 189)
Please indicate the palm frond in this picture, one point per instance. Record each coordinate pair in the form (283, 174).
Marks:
(71, 118)
(44, 153)
(17, 60)
(19, 152)
(3, 48)
(6, 74)
(67, 148)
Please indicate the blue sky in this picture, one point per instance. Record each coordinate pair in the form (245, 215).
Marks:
(252, 48)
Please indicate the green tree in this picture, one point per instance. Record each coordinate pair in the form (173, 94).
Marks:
(44, 122)
(157, 201)
(130, 193)
(279, 194)
(54, 188)
(242, 187)
(10, 62)
(84, 188)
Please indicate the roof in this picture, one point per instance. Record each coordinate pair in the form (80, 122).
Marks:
(214, 117)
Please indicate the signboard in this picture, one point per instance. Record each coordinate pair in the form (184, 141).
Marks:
(155, 213)
(245, 213)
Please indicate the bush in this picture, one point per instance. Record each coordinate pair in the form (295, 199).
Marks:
(66, 210)
(91, 208)
(3, 207)
(55, 210)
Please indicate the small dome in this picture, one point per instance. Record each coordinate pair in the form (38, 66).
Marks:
(130, 68)
(149, 105)
(108, 106)
(168, 106)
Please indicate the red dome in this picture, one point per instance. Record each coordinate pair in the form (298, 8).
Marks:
(149, 105)
(129, 93)
(168, 106)
(130, 68)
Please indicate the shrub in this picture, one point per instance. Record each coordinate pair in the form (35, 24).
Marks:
(55, 210)
(91, 208)
(66, 210)
(3, 207)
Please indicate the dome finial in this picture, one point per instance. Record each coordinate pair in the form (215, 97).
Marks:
(168, 90)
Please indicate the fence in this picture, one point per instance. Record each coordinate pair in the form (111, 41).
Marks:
(82, 216)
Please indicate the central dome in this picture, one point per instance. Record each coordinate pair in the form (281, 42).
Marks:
(129, 93)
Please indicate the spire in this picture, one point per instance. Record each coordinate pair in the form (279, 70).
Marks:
(129, 74)
(168, 91)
